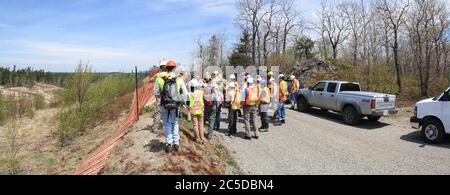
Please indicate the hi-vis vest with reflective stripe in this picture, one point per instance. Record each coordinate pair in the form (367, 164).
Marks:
(252, 96)
(197, 104)
(284, 93)
(235, 99)
(265, 96)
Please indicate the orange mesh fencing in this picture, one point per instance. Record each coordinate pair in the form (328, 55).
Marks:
(95, 164)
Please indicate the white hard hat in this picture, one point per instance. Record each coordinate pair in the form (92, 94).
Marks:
(250, 80)
(272, 80)
(232, 76)
(281, 76)
(163, 62)
(292, 77)
(216, 73)
(195, 83)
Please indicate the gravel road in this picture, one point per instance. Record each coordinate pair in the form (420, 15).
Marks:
(319, 143)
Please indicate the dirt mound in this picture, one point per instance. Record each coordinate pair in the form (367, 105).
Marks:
(48, 92)
(141, 152)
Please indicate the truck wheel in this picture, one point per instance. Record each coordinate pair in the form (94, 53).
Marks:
(302, 105)
(351, 116)
(433, 132)
(374, 118)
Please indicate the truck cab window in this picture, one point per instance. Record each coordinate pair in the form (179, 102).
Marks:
(350, 87)
(332, 87)
(319, 87)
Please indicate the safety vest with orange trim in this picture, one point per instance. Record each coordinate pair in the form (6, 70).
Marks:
(265, 96)
(284, 93)
(235, 99)
(196, 102)
(252, 98)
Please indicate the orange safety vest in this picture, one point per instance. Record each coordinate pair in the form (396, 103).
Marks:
(197, 104)
(294, 85)
(251, 98)
(284, 93)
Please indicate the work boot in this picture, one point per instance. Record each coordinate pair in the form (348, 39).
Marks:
(177, 147)
(255, 137)
(168, 148)
(283, 121)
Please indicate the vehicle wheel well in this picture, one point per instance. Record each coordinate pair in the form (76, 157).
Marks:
(349, 105)
(428, 118)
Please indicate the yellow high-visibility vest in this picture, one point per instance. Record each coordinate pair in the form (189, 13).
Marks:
(196, 102)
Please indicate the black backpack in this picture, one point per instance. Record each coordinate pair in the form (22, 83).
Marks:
(171, 99)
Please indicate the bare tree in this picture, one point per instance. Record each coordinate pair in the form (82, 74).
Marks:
(268, 27)
(357, 21)
(290, 20)
(250, 15)
(334, 26)
(394, 12)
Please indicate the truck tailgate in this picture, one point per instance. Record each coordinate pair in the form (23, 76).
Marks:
(385, 103)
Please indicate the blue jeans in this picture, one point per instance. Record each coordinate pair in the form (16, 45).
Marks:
(281, 111)
(171, 128)
(293, 98)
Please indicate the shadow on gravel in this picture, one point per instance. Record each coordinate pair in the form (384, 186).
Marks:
(331, 116)
(416, 137)
(155, 146)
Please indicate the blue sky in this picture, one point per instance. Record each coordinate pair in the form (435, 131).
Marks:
(114, 35)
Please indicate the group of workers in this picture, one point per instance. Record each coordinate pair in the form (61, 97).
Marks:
(204, 100)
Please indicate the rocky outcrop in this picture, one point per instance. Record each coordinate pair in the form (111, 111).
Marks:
(313, 70)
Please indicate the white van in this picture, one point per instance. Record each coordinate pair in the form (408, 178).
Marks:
(433, 116)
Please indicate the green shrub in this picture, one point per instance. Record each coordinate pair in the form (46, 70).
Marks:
(101, 100)
(39, 102)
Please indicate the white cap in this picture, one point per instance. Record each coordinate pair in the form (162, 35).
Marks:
(232, 76)
(250, 80)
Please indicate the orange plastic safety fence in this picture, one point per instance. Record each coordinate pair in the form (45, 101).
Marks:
(95, 164)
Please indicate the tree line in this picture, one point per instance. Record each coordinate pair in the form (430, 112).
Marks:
(395, 46)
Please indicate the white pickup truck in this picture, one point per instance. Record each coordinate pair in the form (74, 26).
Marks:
(433, 115)
(348, 99)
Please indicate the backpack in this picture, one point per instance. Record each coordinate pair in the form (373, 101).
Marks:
(208, 95)
(170, 99)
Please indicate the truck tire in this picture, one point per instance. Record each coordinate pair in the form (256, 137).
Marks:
(374, 118)
(351, 116)
(302, 105)
(433, 131)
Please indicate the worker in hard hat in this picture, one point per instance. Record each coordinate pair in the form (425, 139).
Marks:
(234, 101)
(265, 100)
(250, 96)
(295, 88)
(219, 85)
(212, 99)
(169, 91)
(197, 106)
(284, 94)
